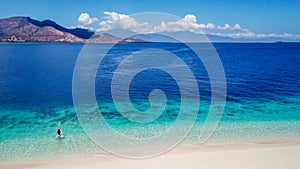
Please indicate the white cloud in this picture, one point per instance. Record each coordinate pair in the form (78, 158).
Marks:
(188, 23)
(228, 27)
(225, 27)
(113, 20)
(85, 21)
(210, 26)
(190, 18)
(237, 27)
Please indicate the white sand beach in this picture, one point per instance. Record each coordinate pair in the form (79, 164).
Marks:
(283, 155)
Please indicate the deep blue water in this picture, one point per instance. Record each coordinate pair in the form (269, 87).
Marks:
(41, 74)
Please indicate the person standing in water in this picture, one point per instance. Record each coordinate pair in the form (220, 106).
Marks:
(58, 132)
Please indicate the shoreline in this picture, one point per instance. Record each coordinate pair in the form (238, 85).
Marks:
(74, 146)
(281, 154)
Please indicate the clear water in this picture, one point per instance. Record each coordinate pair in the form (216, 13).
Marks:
(263, 96)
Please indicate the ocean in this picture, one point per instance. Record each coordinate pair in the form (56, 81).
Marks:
(262, 101)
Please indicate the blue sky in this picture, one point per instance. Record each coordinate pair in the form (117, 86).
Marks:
(259, 16)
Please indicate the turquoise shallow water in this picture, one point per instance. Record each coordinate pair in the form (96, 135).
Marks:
(29, 134)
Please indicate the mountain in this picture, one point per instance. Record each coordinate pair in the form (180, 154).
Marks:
(105, 37)
(190, 37)
(25, 29)
(20, 29)
(81, 33)
(185, 37)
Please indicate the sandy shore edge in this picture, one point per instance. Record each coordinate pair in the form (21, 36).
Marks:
(219, 156)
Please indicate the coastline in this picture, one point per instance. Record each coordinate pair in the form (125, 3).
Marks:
(274, 155)
(19, 149)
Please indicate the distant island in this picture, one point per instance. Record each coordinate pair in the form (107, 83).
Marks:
(26, 29)
(22, 29)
